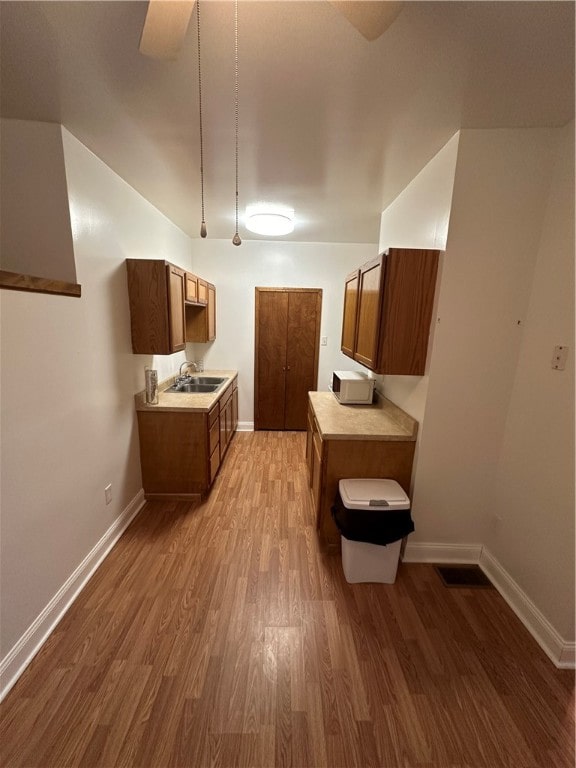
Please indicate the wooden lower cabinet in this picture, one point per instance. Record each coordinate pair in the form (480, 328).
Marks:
(181, 452)
(331, 460)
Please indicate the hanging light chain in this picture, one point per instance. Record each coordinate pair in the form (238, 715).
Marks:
(236, 239)
(203, 231)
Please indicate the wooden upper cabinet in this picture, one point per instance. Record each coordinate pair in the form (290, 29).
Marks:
(394, 310)
(201, 319)
(156, 292)
(350, 311)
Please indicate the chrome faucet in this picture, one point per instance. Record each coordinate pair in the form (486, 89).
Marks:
(198, 366)
(184, 364)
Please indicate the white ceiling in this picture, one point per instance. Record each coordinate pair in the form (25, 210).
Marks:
(330, 124)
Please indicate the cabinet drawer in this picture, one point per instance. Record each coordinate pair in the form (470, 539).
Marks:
(214, 437)
(214, 464)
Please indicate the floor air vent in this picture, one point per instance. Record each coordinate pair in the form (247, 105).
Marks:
(463, 576)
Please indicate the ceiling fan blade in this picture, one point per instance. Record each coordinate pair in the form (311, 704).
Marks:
(165, 27)
(371, 18)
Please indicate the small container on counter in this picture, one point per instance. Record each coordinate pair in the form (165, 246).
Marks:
(151, 378)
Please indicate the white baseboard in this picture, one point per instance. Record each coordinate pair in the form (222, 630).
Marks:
(558, 650)
(424, 552)
(18, 658)
(245, 426)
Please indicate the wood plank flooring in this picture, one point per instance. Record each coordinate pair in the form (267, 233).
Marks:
(220, 635)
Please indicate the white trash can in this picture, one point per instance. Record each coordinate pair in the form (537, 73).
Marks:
(360, 499)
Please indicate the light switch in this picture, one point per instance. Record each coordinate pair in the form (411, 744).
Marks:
(559, 358)
(323, 341)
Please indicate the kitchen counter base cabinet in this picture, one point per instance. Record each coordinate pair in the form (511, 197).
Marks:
(331, 460)
(181, 453)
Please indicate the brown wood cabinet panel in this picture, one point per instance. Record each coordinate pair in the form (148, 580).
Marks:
(214, 464)
(408, 303)
(395, 303)
(211, 312)
(235, 409)
(201, 319)
(191, 288)
(369, 313)
(351, 283)
(176, 291)
(202, 291)
(317, 469)
(286, 355)
(156, 297)
(173, 453)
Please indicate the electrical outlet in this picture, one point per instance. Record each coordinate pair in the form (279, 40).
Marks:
(108, 493)
(323, 341)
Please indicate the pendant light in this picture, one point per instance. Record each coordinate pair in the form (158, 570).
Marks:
(203, 231)
(236, 239)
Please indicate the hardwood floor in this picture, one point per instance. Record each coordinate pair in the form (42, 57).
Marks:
(219, 635)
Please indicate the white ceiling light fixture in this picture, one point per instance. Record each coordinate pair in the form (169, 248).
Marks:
(269, 219)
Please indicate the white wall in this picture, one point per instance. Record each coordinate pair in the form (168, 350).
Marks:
(68, 378)
(500, 191)
(532, 525)
(419, 218)
(237, 270)
(495, 461)
(35, 236)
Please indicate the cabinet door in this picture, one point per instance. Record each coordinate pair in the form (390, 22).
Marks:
(177, 321)
(191, 288)
(309, 444)
(235, 409)
(369, 312)
(350, 313)
(202, 291)
(211, 309)
(316, 485)
(407, 310)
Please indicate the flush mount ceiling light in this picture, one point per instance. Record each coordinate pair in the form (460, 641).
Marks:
(269, 219)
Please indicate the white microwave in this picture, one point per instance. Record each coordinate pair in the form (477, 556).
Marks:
(353, 387)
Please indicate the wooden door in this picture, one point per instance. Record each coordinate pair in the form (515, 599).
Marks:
(286, 355)
(369, 312)
(302, 349)
(348, 344)
(270, 358)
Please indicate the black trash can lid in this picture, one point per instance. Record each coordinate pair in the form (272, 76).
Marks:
(372, 493)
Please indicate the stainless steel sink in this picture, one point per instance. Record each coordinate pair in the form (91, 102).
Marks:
(207, 380)
(198, 384)
(187, 388)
